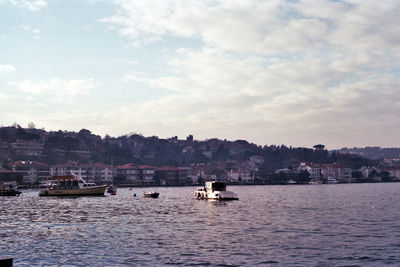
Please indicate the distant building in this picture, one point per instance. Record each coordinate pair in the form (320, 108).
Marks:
(8, 177)
(258, 160)
(371, 173)
(208, 154)
(4, 151)
(95, 172)
(27, 148)
(31, 171)
(394, 172)
(171, 176)
(327, 173)
(209, 172)
(243, 176)
(132, 174)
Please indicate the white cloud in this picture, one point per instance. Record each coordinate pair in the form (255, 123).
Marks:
(62, 90)
(263, 27)
(33, 5)
(36, 32)
(7, 68)
(286, 71)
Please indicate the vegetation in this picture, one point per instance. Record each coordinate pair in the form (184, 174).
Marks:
(60, 146)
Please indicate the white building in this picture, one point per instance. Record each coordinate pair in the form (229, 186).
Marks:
(243, 176)
(96, 172)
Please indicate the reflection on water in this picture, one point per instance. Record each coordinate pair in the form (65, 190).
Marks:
(356, 224)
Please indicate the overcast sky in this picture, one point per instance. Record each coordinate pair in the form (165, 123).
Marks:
(271, 72)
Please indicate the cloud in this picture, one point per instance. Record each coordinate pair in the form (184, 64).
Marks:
(62, 90)
(271, 70)
(6, 68)
(34, 5)
(293, 72)
(36, 32)
(263, 27)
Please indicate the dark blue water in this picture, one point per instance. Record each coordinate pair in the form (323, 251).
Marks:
(314, 225)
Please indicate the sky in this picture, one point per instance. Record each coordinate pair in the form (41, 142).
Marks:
(289, 72)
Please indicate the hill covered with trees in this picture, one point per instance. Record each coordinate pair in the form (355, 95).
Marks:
(54, 147)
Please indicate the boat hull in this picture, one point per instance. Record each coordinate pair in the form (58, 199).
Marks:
(92, 191)
(151, 195)
(216, 195)
(10, 193)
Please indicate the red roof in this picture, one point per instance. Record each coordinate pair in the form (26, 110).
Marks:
(168, 168)
(74, 165)
(146, 167)
(127, 166)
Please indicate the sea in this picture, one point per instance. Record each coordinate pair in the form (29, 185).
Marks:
(270, 225)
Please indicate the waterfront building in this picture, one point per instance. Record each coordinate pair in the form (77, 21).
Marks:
(8, 177)
(95, 172)
(171, 176)
(132, 174)
(371, 173)
(31, 171)
(327, 172)
(240, 176)
(394, 172)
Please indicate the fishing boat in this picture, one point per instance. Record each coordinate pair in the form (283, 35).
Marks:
(151, 194)
(215, 191)
(8, 191)
(71, 185)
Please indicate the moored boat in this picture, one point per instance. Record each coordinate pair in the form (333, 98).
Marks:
(151, 194)
(215, 191)
(112, 190)
(8, 191)
(71, 185)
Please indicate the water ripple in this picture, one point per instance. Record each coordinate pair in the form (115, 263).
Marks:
(341, 225)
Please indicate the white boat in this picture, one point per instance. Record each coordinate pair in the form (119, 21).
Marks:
(72, 186)
(332, 181)
(215, 191)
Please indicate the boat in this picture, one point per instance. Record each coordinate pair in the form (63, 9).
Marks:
(9, 191)
(112, 190)
(151, 194)
(46, 184)
(71, 185)
(332, 181)
(215, 191)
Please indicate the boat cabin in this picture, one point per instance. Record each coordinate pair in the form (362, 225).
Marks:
(215, 186)
(69, 182)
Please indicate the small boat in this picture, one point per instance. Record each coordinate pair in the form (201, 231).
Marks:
(215, 191)
(72, 185)
(8, 191)
(112, 190)
(151, 194)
